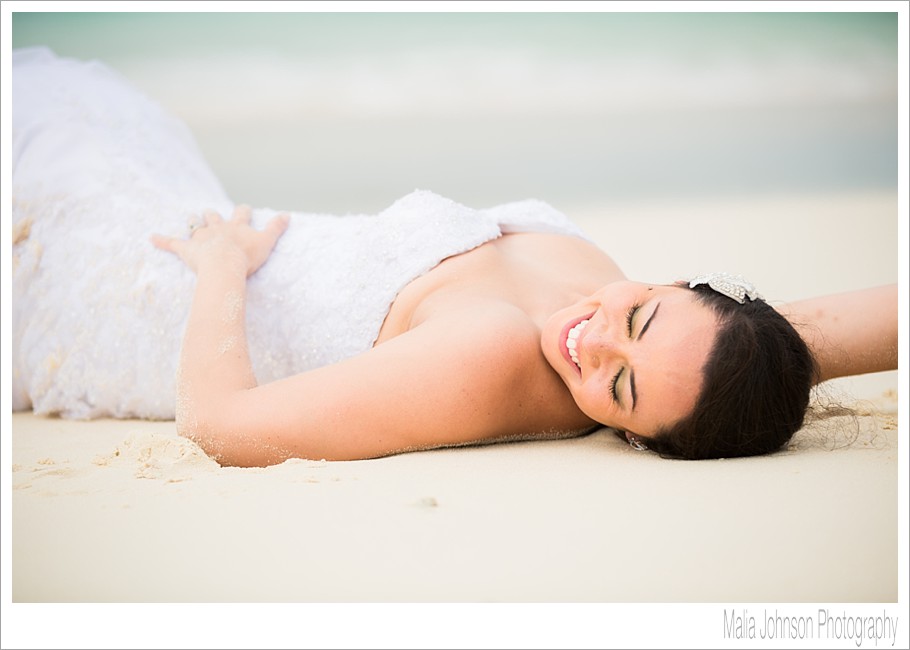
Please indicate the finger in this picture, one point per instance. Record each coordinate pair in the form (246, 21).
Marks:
(277, 225)
(194, 222)
(211, 217)
(162, 242)
(242, 213)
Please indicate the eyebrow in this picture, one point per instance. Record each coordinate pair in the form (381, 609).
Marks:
(638, 338)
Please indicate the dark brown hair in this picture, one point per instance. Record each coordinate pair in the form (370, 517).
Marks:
(756, 385)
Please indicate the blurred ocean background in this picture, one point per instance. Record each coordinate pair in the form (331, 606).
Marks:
(345, 112)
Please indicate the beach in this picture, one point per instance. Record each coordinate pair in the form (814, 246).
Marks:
(149, 518)
(797, 192)
(114, 511)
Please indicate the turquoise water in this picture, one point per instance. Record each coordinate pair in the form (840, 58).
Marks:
(837, 36)
(352, 110)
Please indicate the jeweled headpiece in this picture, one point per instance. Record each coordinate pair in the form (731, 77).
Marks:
(732, 286)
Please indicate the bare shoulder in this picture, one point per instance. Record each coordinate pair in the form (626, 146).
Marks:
(484, 368)
(524, 396)
(467, 376)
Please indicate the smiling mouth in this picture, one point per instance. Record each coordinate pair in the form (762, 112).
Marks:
(570, 340)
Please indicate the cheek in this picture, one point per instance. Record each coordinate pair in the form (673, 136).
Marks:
(594, 401)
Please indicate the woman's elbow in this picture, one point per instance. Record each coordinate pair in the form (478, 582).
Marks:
(202, 429)
(228, 441)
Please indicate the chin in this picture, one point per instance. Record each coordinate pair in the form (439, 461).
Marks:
(549, 346)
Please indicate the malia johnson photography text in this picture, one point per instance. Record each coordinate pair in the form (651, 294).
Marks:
(826, 625)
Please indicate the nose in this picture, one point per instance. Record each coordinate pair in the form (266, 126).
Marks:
(605, 343)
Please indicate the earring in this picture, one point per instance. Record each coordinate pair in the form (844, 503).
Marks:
(636, 443)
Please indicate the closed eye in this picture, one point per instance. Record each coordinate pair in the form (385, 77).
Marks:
(613, 382)
(630, 315)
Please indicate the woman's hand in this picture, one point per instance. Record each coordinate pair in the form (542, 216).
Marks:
(234, 239)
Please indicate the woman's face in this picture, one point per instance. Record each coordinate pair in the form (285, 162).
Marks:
(632, 354)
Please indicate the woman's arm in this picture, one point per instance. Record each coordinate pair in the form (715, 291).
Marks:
(850, 333)
(444, 382)
(214, 362)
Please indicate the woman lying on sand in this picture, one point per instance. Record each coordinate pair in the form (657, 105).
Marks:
(353, 337)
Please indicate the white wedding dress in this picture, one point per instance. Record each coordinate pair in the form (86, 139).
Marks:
(99, 313)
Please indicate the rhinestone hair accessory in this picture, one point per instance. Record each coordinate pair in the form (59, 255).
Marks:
(732, 286)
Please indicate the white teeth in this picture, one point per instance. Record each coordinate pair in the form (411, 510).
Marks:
(572, 341)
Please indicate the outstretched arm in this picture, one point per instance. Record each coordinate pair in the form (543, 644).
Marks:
(850, 333)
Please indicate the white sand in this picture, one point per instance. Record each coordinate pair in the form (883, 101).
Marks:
(128, 511)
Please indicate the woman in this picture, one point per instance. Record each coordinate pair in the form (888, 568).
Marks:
(465, 327)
